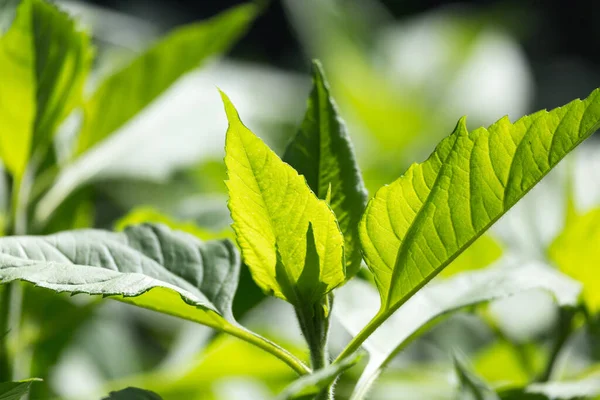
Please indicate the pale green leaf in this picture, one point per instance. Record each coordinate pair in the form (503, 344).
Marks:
(471, 386)
(575, 252)
(15, 390)
(272, 208)
(323, 153)
(132, 393)
(307, 387)
(128, 91)
(416, 226)
(147, 265)
(44, 61)
(356, 303)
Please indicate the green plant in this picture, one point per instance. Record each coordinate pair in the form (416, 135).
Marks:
(302, 223)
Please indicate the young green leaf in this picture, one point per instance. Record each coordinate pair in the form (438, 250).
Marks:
(132, 393)
(44, 61)
(149, 266)
(15, 390)
(416, 226)
(125, 93)
(309, 386)
(357, 301)
(323, 153)
(471, 387)
(273, 210)
(575, 253)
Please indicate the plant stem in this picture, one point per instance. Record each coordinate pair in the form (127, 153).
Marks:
(268, 346)
(565, 327)
(10, 314)
(314, 323)
(359, 339)
(12, 293)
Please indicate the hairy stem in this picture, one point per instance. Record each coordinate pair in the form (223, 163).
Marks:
(314, 322)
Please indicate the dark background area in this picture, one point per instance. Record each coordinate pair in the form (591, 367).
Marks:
(560, 38)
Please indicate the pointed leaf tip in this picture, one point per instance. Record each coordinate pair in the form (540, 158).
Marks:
(414, 227)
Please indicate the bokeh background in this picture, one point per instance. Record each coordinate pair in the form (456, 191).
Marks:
(402, 72)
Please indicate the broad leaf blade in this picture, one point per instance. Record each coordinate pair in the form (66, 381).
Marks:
(149, 266)
(307, 387)
(44, 61)
(323, 153)
(15, 390)
(416, 226)
(358, 301)
(125, 93)
(272, 209)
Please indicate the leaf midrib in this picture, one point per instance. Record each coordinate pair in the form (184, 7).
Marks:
(411, 230)
(389, 309)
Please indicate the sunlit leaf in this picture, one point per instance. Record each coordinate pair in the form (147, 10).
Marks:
(356, 303)
(128, 91)
(576, 254)
(323, 153)
(416, 226)
(15, 390)
(278, 221)
(307, 387)
(44, 61)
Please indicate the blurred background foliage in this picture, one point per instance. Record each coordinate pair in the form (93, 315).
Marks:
(402, 73)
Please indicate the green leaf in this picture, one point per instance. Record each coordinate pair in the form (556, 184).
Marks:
(149, 266)
(413, 228)
(357, 301)
(307, 387)
(132, 393)
(122, 95)
(44, 61)
(272, 209)
(15, 390)
(323, 153)
(471, 386)
(575, 252)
